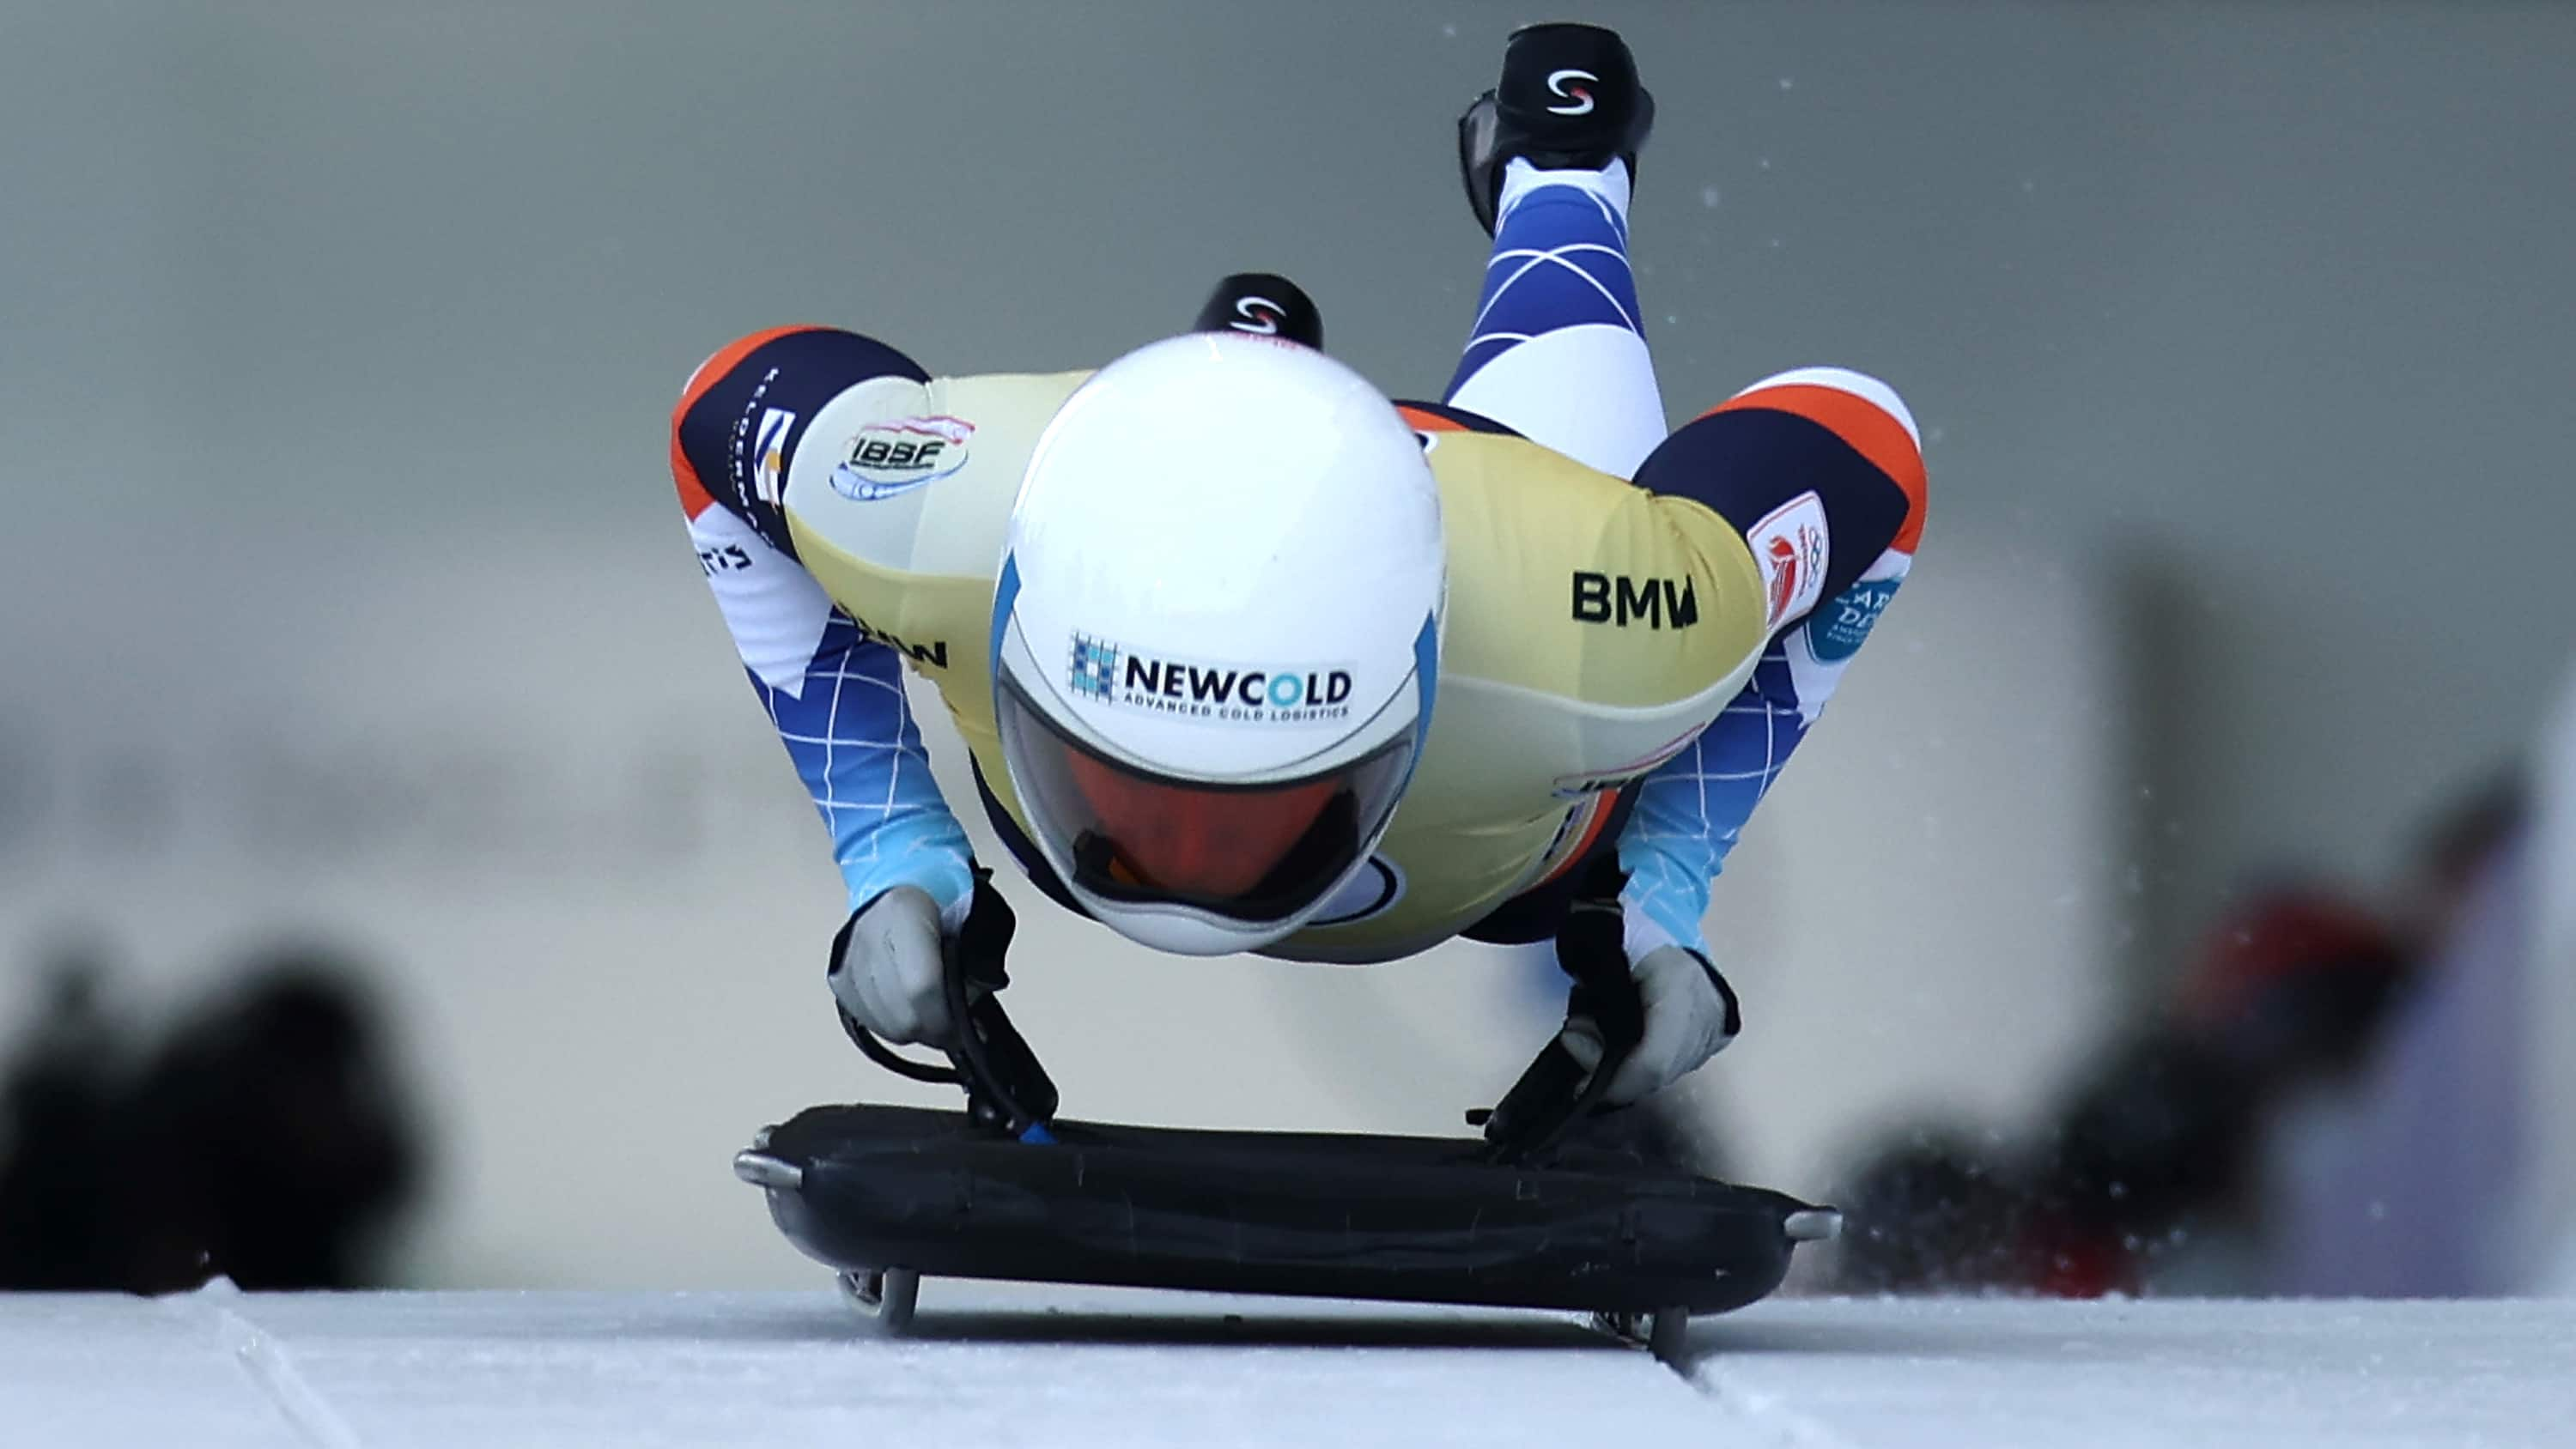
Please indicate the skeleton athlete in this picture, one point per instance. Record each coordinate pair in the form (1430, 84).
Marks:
(1251, 657)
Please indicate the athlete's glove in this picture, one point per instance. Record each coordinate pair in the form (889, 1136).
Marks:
(1690, 1016)
(888, 968)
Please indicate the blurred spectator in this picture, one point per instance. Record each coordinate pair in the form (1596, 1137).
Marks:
(2162, 1149)
(2164, 1167)
(2290, 985)
(263, 1140)
(56, 1104)
(2156, 1147)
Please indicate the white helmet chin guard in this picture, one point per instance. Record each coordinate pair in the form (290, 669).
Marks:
(1216, 635)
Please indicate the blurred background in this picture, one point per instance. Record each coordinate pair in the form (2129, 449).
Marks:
(399, 883)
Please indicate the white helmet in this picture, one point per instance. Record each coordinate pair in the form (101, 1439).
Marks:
(1215, 636)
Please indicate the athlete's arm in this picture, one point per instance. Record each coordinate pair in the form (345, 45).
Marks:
(1818, 451)
(835, 696)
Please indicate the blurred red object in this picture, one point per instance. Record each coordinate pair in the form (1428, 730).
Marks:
(2289, 939)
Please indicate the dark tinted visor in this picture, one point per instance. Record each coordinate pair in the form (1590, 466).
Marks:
(1249, 852)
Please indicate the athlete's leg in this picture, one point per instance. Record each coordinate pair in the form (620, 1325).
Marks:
(1824, 468)
(1557, 352)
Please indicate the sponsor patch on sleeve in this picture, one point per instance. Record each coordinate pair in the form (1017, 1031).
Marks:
(1791, 546)
(886, 459)
(769, 455)
(1836, 631)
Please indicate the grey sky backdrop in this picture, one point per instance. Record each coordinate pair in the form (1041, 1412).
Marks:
(2239, 334)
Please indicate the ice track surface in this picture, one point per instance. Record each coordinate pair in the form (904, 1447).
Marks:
(997, 1365)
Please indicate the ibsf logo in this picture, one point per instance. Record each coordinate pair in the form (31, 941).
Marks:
(885, 459)
(1578, 100)
(1228, 693)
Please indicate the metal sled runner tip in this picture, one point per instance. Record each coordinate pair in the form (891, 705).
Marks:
(1668, 1338)
(885, 1297)
(762, 1170)
(1813, 1225)
(1663, 1332)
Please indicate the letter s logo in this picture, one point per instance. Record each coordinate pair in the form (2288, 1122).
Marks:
(1259, 314)
(1581, 98)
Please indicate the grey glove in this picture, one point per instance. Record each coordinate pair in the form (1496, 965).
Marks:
(888, 970)
(1691, 1015)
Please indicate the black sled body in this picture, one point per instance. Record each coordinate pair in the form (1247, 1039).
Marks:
(1411, 1219)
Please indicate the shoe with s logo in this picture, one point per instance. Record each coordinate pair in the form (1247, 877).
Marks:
(1568, 97)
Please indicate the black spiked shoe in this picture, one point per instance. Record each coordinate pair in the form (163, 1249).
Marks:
(1569, 97)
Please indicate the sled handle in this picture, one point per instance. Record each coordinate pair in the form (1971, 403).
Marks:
(1555, 1091)
(1006, 1088)
(874, 1048)
(1551, 1095)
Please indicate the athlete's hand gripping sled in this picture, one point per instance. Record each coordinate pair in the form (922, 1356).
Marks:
(1523, 1217)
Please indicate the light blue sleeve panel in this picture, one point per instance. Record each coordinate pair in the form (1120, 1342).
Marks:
(852, 735)
(837, 700)
(1693, 808)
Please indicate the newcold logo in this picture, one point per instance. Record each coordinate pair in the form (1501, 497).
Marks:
(1201, 689)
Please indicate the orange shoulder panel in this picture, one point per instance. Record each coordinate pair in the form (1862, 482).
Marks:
(1871, 430)
(694, 497)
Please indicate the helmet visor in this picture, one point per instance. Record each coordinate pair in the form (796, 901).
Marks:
(1253, 853)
